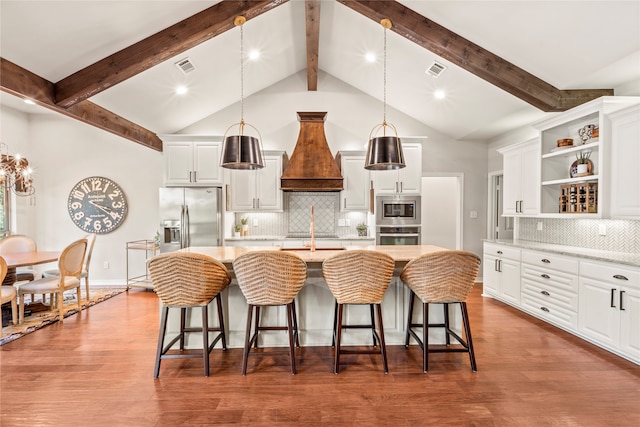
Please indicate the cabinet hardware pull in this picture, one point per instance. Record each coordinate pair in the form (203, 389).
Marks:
(500, 252)
(545, 293)
(500, 265)
(621, 308)
(612, 292)
(397, 187)
(401, 190)
(195, 176)
(253, 203)
(190, 180)
(546, 261)
(545, 309)
(619, 277)
(517, 206)
(258, 203)
(495, 265)
(545, 276)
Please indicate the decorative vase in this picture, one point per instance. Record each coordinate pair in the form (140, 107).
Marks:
(245, 230)
(582, 168)
(236, 234)
(362, 233)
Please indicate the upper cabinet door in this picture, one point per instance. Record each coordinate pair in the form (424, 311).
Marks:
(257, 190)
(356, 182)
(521, 169)
(206, 159)
(625, 161)
(178, 163)
(405, 180)
(191, 161)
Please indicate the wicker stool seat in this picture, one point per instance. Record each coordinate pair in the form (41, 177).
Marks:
(359, 277)
(270, 278)
(445, 278)
(185, 280)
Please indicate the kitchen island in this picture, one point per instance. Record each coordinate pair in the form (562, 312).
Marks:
(315, 303)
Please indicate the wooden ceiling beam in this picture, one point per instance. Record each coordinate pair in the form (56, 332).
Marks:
(312, 15)
(473, 58)
(155, 49)
(27, 85)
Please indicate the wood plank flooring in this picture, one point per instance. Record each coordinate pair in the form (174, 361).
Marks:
(96, 368)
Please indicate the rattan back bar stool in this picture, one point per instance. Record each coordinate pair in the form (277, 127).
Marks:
(444, 277)
(359, 277)
(270, 278)
(188, 280)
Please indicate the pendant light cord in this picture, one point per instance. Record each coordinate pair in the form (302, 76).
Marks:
(241, 78)
(384, 113)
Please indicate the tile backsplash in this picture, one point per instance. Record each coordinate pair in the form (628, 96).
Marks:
(295, 219)
(621, 235)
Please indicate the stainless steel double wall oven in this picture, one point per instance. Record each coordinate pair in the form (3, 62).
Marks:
(398, 220)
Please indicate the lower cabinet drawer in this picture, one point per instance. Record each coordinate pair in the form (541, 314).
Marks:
(550, 279)
(550, 295)
(549, 311)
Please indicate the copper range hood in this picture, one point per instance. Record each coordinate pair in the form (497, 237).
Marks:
(311, 167)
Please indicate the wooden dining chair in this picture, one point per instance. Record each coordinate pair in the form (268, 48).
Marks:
(91, 239)
(188, 280)
(8, 293)
(444, 277)
(70, 266)
(19, 244)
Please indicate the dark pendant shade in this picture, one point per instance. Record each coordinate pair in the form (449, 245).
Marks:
(241, 152)
(384, 153)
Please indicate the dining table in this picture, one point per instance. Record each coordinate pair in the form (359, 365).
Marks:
(23, 260)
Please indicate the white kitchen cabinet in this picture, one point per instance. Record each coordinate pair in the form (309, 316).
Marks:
(257, 190)
(521, 168)
(191, 161)
(612, 177)
(356, 181)
(501, 273)
(550, 288)
(609, 300)
(405, 180)
(625, 159)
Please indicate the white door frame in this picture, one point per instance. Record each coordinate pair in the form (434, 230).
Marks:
(460, 204)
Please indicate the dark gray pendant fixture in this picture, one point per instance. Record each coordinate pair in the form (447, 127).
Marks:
(241, 151)
(384, 152)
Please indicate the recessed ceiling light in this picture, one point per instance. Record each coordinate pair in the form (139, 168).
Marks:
(254, 54)
(181, 90)
(439, 94)
(370, 57)
(30, 102)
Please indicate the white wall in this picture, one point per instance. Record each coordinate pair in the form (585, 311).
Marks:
(63, 151)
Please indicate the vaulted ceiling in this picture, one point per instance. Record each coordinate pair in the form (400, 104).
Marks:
(112, 63)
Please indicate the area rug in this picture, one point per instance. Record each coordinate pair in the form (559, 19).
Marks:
(40, 319)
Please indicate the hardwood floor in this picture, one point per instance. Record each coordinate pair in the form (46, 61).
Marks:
(97, 369)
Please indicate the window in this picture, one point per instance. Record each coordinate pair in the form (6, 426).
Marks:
(4, 210)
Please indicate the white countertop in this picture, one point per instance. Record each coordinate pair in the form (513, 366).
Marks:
(632, 259)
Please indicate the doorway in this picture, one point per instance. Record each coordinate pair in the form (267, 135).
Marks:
(499, 227)
(442, 210)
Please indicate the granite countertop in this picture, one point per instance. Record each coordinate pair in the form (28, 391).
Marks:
(632, 259)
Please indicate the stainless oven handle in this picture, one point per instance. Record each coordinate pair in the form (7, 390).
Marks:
(399, 234)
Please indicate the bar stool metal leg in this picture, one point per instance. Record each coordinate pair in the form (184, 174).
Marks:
(205, 340)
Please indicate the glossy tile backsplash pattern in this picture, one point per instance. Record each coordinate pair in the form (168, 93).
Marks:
(621, 235)
(325, 207)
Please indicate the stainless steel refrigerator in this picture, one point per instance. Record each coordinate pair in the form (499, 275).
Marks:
(190, 217)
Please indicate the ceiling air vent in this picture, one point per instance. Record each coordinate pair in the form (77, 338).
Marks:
(436, 69)
(185, 65)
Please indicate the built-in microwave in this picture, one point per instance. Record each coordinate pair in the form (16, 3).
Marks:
(398, 210)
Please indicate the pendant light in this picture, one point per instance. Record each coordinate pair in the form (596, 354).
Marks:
(241, 151)
(384, 152)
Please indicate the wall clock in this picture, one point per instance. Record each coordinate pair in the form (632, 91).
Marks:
(97, 205)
